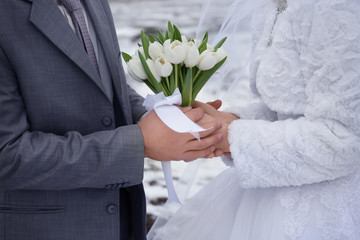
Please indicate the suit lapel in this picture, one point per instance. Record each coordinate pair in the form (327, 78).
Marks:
(46, 16)
(102, 28)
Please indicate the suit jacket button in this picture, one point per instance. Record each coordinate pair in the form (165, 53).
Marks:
(106, 121)
(111, 209)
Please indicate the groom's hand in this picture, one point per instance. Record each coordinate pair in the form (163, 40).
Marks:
(225, 118)
(164, 144)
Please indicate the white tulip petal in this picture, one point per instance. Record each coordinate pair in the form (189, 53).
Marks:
(203, 54)
(151, 65)
(163, 67)
(133, 76)
(207, 63)
(166, 70)
(156, 50)
(136, 70)
(197, 42)
(141, 50)
(135, 56)
(220, 54)
(184, 39)
(192, 56)
(167, 43)
(207, 60)
(175, 52)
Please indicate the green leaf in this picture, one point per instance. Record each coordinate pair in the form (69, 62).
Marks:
(203, 45)
(204, 77)
(167, 83)
(181, 77)
(151, 38)
(145, 44)
(165, 87)
(187, 93)
(206, 36)
(126, 56)
(172, 82)
(152, 80)
(147, 82)
(161, 37)
(171, 30)
(197, 72)
(170, 27)
(158, 39)
(177, 34)
(167, 35)
(219, 44)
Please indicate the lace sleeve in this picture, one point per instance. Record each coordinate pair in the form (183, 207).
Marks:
(324, 144)
(253, 111)
(292, 152)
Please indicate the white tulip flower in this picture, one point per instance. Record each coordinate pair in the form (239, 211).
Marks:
(220, 54)
(136, 69)
(175, 52)
(151, 65)
(184, 39)
(156, 50)
(163, 67)
(136, 55)
(210, 47)
(192, 55)
(197, 42)
(167, 43)
(207, 60)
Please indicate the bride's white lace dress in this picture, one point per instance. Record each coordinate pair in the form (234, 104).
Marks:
(296, 154)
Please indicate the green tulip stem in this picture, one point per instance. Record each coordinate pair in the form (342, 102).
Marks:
(163, 89)
(181, 79)
(176, 76)
(168, 83)
(196, 75)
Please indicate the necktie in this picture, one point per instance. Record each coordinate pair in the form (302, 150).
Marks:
(75, 9)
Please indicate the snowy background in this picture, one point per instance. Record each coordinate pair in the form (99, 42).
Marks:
(132, 16)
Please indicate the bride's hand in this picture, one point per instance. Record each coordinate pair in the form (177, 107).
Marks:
(226, 118)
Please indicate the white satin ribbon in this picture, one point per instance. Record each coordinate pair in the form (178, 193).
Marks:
(175, 119)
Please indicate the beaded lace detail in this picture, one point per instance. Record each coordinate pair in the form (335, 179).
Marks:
(282, 5)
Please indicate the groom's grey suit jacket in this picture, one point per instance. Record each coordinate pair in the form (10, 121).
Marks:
(71, 158)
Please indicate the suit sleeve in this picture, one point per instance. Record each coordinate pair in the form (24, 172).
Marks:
(38, 160)
(136, 102)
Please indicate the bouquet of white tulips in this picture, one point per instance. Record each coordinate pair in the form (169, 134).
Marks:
(165, 62)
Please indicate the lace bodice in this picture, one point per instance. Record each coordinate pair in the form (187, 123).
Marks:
(306, 68)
